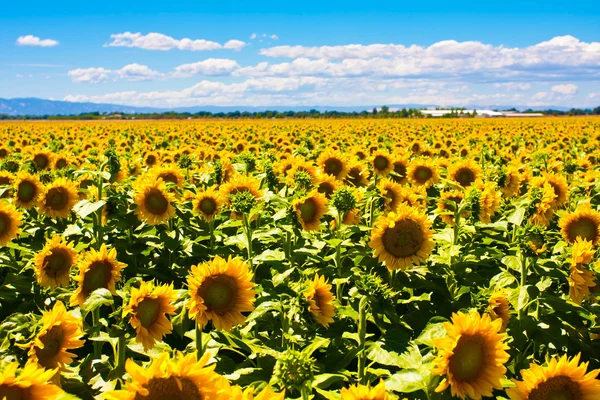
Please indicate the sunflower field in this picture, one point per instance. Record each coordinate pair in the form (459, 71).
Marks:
(294, 259)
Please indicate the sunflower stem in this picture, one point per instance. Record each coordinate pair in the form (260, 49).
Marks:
(248, 230)
(199, 344)
(338, 264)
(362, 336)
(98, 219)
(96, 323)
(211, 229)
(121, 346)
(522, 284)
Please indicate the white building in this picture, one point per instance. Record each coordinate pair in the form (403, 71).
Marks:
(480, 113)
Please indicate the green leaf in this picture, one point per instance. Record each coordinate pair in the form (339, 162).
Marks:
(431, 332)
(317, 343)
(381, 356)
(97, 298)
(270, 255)
(406, 381)
(323, 381)
(512, 262)
(517, 216)
(85, 207)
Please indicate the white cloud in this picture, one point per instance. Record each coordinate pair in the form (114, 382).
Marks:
(253, 36)
(274, 37)
(595, 95)
(131, 72)
(89, 75)
(568, 89)
(159, 41)
(513, 86)
(211, 66)
(540, 96)
(30, 40)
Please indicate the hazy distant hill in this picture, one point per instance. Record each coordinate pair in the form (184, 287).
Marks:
(36, 107)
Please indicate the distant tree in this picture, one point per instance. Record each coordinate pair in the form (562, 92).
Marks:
(385, 109)
(374, 111)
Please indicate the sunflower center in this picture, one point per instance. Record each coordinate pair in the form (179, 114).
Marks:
(380, 163)
(391, 196)
(557, 388)
(57, 263)
(98, 276)
(219, 293)
(326, 188)
(148, 311)
(308, 210)
(150, 160)
(10, 392)
(584, 228)
(172, 388)
(26, 191)
(399, 169)
(5, 222)
(354, 176)
(53, 343)
(156, 203)
(422, 174)
(41, 161)
(465, 176)
(61, 163)
(208, 206)
(169, 177)
(333, 166)
(404, 239)
(468, 359)
(57, 198)
(557, 190)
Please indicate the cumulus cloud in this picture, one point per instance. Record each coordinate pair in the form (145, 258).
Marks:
(30, 40)
(131, 72)
(211, 66)
(274, 37)
(253, 36)
(568, 89)
(513, 86)
(159, 41)
(594, 95)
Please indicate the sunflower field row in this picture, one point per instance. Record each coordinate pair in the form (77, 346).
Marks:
(345, 259)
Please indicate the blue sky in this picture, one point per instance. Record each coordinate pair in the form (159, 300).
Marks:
(304, 53)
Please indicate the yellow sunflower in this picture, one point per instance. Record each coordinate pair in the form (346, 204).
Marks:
(6, 182)
(28, 190)
(320, 300)
(584, 223)
(10, 221)
(310, 209)
(333, 163)
(54, 262)
(42, 159)
(422, 172)
(449, 202)
(358, 175)
(544, 197)
(32, 383)
(580, 282)
(241, 183)
(489, 200)
(169, 173)
(148, 309)
(402, 238)
(248, 394)
(510, 184)
(400, 170)
(360, 392)
(583, 252)
(560, 186)
(499, 307)
(60, 332)
(58, 198)
(220, 291)
(326, 184)
(471, 356)
(561, 378)
(465, 172)
(391, 193)
(382, 163)
(208, 203)
(153, 201)
(97, 269)
(179, 378)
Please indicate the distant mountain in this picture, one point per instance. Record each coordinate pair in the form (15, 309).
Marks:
(36, 107)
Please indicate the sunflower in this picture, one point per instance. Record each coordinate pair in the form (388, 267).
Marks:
(382, 163)
(60, 332)
(28, 190)
(541, 200)
(98, 269)
(499, 307)
(151, 158)
(31, 383)
(583, 252)
(248, 394)
(488, 199)
(580, 282)
(42, 160)
(10, 220)
(510, 182)
(153, 201)
(360, 392)
(584, 223)
(320, 300)
(6, 180)
(326, 184)
(472, 356)
(391, 193)
(241, 183)
(422, 172)
(220, 290)
(449, 202)
(561, 378)
(54, 262)
(208, 203)
(168, 173)
(402, 238)
(560, 186)
(310, 209)
(333, 163)
(358, 175)
(399, 174)
(148, 309)
(179, 378)
(58, 198)
(465, 172)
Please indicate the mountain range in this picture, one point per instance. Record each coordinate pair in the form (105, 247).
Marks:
(38, 107)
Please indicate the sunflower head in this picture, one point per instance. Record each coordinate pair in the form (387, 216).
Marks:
(333, 163)
(402, 238)
(465, 172)
(583, 223)
(422, 172)
(153, 201)
(294, 370)
(361, 392)
(310, 209)
(54, 262)
(58, 198)
(27, 190)
(32, 382)
(382, 163)
(208, 203)
(220, 291)
(499, 307)
(320, 300)
(10, 221)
